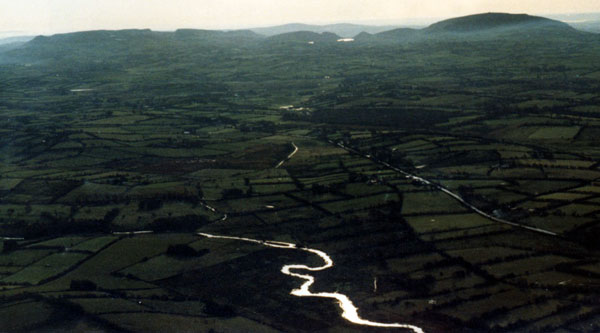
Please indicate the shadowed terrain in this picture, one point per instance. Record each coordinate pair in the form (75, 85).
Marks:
(400, 155)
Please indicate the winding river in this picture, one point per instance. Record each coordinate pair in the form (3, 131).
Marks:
(350, 312)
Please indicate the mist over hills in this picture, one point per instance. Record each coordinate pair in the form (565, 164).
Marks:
(115, 45)
(341, 29)
(589, 26)
(303, 37)
(10, 43)
(489, 21)
(488, 26)
(13, 40)
(586, 21)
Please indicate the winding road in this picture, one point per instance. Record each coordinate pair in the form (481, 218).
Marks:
(350, 312)
(139, 232)
(288, 157)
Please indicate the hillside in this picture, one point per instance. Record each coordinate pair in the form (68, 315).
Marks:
(142, 45)
(215, 35)
(118, 45)
(340, 29)
(397, 35)
(304, 37)
(13, 40)
(489, 26)
(489, 21)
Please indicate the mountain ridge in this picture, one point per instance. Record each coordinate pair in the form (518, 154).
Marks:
(130, 43)
(345, 30)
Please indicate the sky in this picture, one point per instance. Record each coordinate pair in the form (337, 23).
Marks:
(28, 17)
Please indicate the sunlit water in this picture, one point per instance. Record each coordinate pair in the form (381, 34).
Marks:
(350, 312)
(81, 90)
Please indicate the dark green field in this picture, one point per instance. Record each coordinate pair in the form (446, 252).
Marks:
(118, 147)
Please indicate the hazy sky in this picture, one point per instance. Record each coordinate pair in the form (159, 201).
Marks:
(51, 16)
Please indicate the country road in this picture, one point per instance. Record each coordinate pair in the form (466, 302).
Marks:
(288, 157)
(447, 191)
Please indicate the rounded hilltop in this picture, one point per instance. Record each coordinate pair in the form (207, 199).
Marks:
(489, 21)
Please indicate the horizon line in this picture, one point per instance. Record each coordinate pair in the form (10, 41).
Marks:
(408, 23)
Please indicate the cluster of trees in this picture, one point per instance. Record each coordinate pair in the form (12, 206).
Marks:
(219, 310)
(235, 193)
(186, 223)
(83, 285)
(65, 226)
(417, 287)
(9, 246)
(156, 202)
(185, 251)
(259, 126)
(396, 117)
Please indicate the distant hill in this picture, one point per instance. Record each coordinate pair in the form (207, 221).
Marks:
(11, 43)
(216, 35)
(397, 35)
(15, 40)
(586, 22)
(85, 45)
(304, 37)
(342, 29)
(117, 45)
(492, 21)
(482, 27)
(589, 26)
(103, 46)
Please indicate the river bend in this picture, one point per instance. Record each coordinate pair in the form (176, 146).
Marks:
(350, 312)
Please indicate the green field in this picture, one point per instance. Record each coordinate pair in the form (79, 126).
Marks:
(121, 150)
